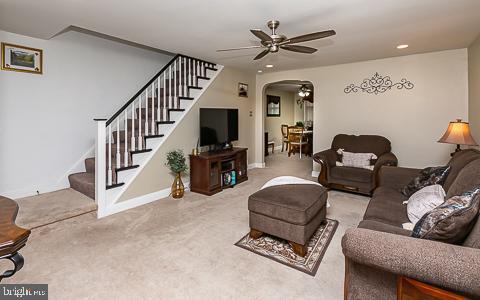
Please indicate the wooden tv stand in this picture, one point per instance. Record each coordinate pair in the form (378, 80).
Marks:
(207, 170)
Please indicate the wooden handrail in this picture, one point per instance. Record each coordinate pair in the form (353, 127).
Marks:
(126, 105)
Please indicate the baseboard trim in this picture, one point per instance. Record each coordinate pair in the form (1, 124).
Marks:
(139, 201)
(315, 173)
(256, 165)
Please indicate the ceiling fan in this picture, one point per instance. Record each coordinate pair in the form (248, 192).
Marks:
(272, 43)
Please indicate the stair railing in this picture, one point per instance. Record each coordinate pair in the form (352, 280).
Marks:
(125, 133)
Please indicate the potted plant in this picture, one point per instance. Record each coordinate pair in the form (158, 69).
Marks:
(176, 162)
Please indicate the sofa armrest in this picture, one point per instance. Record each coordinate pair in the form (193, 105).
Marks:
(396, 177)
(387, 159)
(448, 266)
(328, 157)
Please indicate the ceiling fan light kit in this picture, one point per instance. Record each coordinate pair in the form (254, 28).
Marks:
(274, 42)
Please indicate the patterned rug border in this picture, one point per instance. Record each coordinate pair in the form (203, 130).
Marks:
(317, 264)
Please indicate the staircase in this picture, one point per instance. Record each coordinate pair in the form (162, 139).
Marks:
(127, 141)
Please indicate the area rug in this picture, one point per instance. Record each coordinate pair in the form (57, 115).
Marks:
(280, 251)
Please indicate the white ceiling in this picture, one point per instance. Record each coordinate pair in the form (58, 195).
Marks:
(366, 29)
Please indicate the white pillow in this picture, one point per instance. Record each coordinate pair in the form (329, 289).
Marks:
(357, 160)
(424, 201)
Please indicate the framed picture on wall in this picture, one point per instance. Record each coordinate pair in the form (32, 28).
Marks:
(273, 106)
(243, 90)
(22, 59)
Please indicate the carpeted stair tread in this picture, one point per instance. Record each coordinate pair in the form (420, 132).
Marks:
(84, 183)
(90, 165)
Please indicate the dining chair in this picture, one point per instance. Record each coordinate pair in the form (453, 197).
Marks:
(284, 129)
(296, 140)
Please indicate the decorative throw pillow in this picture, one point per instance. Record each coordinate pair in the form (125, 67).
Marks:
(423, 201)
(428, 176)
(451, 221)
(357, 160)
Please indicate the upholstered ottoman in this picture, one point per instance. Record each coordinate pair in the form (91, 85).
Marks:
(289, 211)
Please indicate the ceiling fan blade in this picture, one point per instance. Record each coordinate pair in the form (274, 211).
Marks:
(301, 49)
(261, 35)
(262, 54)
(239, 48)
(309, 37)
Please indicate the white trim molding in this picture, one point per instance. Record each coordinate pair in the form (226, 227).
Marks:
(315, 173)
(139, 201)
(256, 165)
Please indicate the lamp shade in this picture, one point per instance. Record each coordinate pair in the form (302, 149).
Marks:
(458, 132)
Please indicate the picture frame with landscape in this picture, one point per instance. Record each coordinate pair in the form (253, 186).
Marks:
(21, 59)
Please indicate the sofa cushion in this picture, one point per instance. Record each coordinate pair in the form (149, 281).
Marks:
(457, 163)
(452, 221)
(424, 201)
(467, 179)
(387, 206)
(352, 174)
(362, 144)
(383, 227)
(356, 160)
(473, 238)
(292, 203)
(428, 176)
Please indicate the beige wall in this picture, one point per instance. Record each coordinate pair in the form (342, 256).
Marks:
(474, 88)
(221, 93)
(273, 124)
(413, 120)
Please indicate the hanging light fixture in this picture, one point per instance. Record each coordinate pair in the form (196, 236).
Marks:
(304, 91)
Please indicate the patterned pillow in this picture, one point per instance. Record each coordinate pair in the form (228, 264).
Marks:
(428, 176)
(452, 221)
(357, 160)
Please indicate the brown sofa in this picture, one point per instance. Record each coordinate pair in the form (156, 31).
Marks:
(380, 250)
(351, 179)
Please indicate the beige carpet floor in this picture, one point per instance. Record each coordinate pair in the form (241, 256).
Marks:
(182, 249)
(52, 207)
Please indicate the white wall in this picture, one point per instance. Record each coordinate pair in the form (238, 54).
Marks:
(273, 124)
(46, 121)
(222, 93)
(413, 120)
(474, 88)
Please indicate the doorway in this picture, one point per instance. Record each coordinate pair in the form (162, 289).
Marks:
(288, 125)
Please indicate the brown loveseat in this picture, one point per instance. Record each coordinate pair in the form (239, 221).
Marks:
(351, 179)
(380, 250)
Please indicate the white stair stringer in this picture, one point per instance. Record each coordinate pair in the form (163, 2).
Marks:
(112, 196)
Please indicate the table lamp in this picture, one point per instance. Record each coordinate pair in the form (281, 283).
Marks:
(458, 133)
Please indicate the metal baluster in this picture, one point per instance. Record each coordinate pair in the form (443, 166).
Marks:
(125, 159)
(118, 158)
(109, 174)
(133, 125)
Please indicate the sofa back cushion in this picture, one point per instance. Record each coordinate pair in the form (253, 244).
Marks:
(473, 238)
(457, 163)
(362, 144)
(467, 179)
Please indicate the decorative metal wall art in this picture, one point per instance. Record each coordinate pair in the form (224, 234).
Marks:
(378, 84)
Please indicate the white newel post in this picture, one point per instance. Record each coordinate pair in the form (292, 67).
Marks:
(100, 167)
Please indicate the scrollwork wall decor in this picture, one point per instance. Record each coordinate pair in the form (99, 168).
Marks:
(378, 84)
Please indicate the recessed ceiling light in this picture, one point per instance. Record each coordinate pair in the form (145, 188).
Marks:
(268, 66)
(402, 46)
(259, 71)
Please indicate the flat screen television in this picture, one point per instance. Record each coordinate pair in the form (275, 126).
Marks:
(218, 126)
